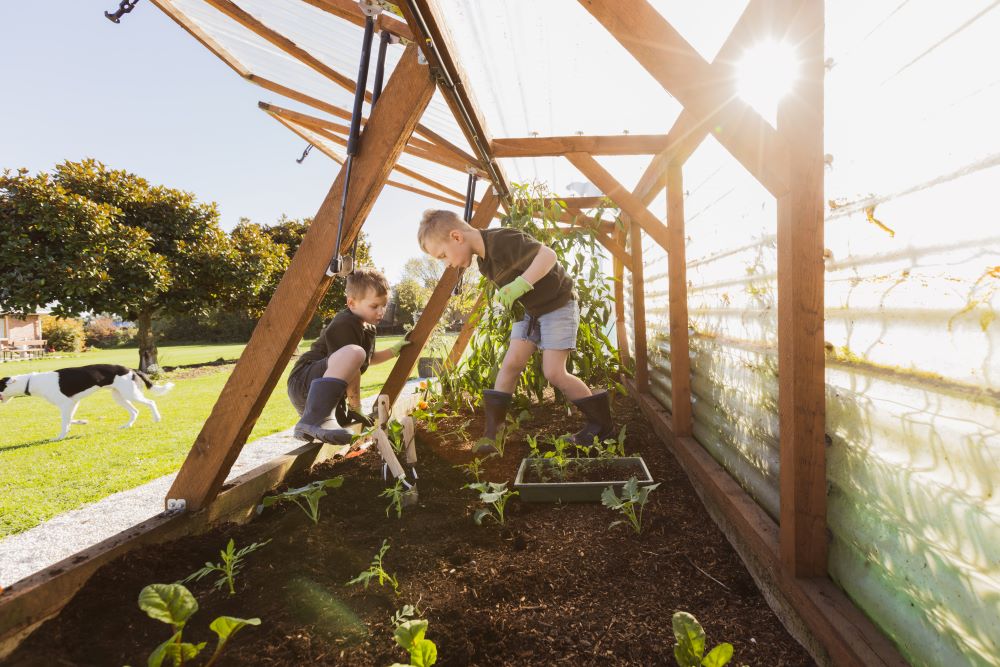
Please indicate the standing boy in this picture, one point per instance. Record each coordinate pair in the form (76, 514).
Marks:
(320, 378)
(524, 270)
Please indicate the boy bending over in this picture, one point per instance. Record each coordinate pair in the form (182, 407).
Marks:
(319, 380)
(524, 270)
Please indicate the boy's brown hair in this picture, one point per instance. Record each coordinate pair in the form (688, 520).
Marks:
(366, 278)
(436, 224)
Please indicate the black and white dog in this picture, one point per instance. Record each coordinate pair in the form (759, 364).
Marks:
(65, 388)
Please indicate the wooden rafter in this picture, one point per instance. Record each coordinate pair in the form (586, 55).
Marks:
(465, 334)
(321, 146)
(618, 271)
(576, 202)
(678, 67)
(436, 304)
(278, 332)
(638, 307)
(349, 10)
(423, 18)
(680, 361)
(626, 144)
(615, 191)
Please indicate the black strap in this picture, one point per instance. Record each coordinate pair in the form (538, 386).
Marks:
(27, 387)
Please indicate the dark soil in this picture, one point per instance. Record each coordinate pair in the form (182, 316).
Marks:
(555, 586)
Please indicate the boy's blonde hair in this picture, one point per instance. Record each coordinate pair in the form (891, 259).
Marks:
(364, 278)
(436, 224)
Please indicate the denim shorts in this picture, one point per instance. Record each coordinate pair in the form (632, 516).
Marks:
(555, 330)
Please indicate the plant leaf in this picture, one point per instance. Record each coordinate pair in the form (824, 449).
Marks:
(410, 632)
(227, 626)
(160, 652)
(423, 653)
(719, 656)
(170, 603)
(690, 639)
(479, 516)
(609, 499)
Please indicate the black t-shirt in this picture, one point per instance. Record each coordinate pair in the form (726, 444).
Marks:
(344, 329)
(508, 253)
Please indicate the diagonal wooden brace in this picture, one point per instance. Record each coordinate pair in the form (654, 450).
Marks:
(303, 286)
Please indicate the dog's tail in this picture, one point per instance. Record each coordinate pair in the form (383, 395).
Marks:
(157, 389)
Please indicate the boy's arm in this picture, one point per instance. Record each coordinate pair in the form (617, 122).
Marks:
(544, 260)
(380, 356)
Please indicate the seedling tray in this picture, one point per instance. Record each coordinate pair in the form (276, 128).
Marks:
(614, 472)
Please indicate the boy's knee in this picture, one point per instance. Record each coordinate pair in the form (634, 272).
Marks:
(353, 354)
(553, 373)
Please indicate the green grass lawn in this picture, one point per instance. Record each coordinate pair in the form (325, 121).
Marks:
(41, 479)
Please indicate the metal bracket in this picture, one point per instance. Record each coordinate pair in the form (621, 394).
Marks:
(176, 505)
(370, 7)
(341, 265)
(124, 7)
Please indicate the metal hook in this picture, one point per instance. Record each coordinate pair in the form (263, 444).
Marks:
(304, 154)
(124, 7)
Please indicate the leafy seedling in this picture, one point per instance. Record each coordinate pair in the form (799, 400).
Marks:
(631, 503)
(474, 468)
(376, 572)
(306, 497)
(610, 447)
(407, 613)
(498, 443)
(690, 647)
(232, 562)
(173, 604)
(496, 496)
(395, 495)
(394, 429)
(410, 636)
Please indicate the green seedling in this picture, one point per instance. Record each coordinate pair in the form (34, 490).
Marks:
(173, 604)
(394, 429)
(410, 636)
(407, 613)
(232, 562)
(610, 447)
(631, 503)
(306, 497)
(395, 495)
(690, 647)
(474, 468)
(376, 572)
(562, 447)
(498, 442)
(494, 494)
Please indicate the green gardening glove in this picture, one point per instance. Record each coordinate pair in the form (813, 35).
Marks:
(513, 290)
(398, 346)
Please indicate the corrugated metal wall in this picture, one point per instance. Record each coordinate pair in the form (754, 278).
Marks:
(912, 292)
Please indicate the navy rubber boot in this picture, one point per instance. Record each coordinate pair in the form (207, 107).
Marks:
(324, 395)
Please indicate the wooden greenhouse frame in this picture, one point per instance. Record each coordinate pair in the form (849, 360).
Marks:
(789, 560)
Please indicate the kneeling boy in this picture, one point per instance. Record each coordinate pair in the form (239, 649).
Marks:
(320, 378)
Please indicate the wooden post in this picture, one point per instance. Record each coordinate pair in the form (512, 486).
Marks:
(465, 335)
(277, 334)
(639, 309)
(680, 362)
(436, 304)
(801, 362)
(621, 333)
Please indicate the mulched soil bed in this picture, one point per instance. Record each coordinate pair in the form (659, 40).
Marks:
(556, 586)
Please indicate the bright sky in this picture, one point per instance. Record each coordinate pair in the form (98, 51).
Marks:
(145, 96)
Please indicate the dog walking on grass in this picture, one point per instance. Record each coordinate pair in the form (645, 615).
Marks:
(65, 388)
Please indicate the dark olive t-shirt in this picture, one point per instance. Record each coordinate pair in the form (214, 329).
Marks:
(508, 253)
(344, 329)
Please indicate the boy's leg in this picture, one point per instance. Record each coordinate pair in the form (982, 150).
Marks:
(517, 357)
(325, 393)
(554, 368)
(496, 401)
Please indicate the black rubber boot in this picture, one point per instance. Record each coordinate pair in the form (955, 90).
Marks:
(495, 404)
(324, 395)
(597, 410)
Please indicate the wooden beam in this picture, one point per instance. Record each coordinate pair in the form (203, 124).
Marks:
(278, 332)
(801, 358)
(680, 361)
(438, 301)
(424, 19)
(468, 328)
(824, 620)
(351, 11)
(426, 193)
(626, 144)
(621, 332)
(577, 202)
(314, 141)
(181, 19)
(678, 67)
(625, 200)
(639, 308)
(618, 252)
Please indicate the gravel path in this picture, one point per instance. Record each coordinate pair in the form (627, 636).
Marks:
(64, 535)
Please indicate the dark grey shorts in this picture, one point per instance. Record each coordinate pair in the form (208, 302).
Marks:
(298, 383)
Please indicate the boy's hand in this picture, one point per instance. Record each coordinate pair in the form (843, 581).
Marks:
(513, 290)
(398, 346)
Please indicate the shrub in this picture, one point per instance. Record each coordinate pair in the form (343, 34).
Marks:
(63, 335)
(102, 332)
